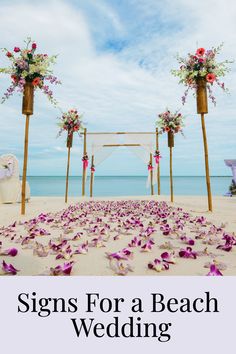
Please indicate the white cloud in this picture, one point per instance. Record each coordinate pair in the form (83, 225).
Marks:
(112, 89)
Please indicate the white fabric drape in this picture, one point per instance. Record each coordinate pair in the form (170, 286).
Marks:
(95, 146)
(147, 146)
(96, 142)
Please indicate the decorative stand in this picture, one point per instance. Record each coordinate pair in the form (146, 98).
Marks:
(69, 146)
(202, 108)
(84, 168)
(158, 166)
(27, 110)
(92, 176)
(171, 145)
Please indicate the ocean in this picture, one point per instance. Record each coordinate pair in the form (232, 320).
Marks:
(126, 185)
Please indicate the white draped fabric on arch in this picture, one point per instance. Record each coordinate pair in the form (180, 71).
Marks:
(99, 146)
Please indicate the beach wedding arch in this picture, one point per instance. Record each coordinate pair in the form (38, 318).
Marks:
(70, 122)
(28, 71)
(97, 146)
(199, 71)
(170, 123)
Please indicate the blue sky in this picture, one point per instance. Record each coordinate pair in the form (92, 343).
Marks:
(114, 62)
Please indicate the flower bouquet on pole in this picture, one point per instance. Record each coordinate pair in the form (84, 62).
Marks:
(28, 71)
(71, 122)
(199, 72)
(170, 123)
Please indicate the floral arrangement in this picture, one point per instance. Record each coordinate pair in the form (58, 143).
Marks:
(85, 161)
(71, 121)
(203, 65)
(26, 66)
(170, 122)
(157, 156)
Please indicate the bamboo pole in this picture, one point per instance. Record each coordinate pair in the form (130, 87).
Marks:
(114, 145)
(84, 169)
(202, 108)
(91, 177)
(208, 182)
(107, 133)
(23, 190)
(171, 178)
(151, 175)
(67, 174)
(158, 166)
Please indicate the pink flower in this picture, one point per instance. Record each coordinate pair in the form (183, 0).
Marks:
(148, 245)
(9, 268)
(187, 253)
(158, 265)
(124, 254)
(200, 52)
(214, 271)
(34, 45)
(10, 252)
(168, 257)
(36, 81)
(16, 49)
(135, 242)
(64, 269)
(210, 77)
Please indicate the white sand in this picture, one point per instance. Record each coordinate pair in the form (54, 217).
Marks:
(95, 262)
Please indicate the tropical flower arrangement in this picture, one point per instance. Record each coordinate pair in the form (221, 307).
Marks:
(26, 66)
(170, 122)
(202, 64)
(71, 121)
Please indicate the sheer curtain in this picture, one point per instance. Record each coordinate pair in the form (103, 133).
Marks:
(95, 146)
(147, 146)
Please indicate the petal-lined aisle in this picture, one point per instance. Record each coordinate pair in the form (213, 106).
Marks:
(124, 237)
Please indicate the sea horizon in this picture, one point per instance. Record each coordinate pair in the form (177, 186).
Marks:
(126, 185)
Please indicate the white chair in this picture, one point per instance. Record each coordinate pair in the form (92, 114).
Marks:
(10, 184)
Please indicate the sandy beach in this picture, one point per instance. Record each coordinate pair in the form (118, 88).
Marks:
(95, 262)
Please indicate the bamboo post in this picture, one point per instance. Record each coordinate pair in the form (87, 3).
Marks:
(91, 177)
(69, 146)
(27, 110)
(202, 108)
(23, 190)
(171, 145)
(84, 169)
(151, 175)
(208, 181)
(158, 166)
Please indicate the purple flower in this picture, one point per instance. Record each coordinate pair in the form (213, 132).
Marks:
(214, 271)
(9, 268)
(158, 265)
(10, 252)
(168, 257)
(148, 245)
(187, 253)
(135, 242)
(64, 269)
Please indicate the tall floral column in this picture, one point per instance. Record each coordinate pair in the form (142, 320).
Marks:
(28, 72)
(199, 72)
(170, 123)
(70, 122)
